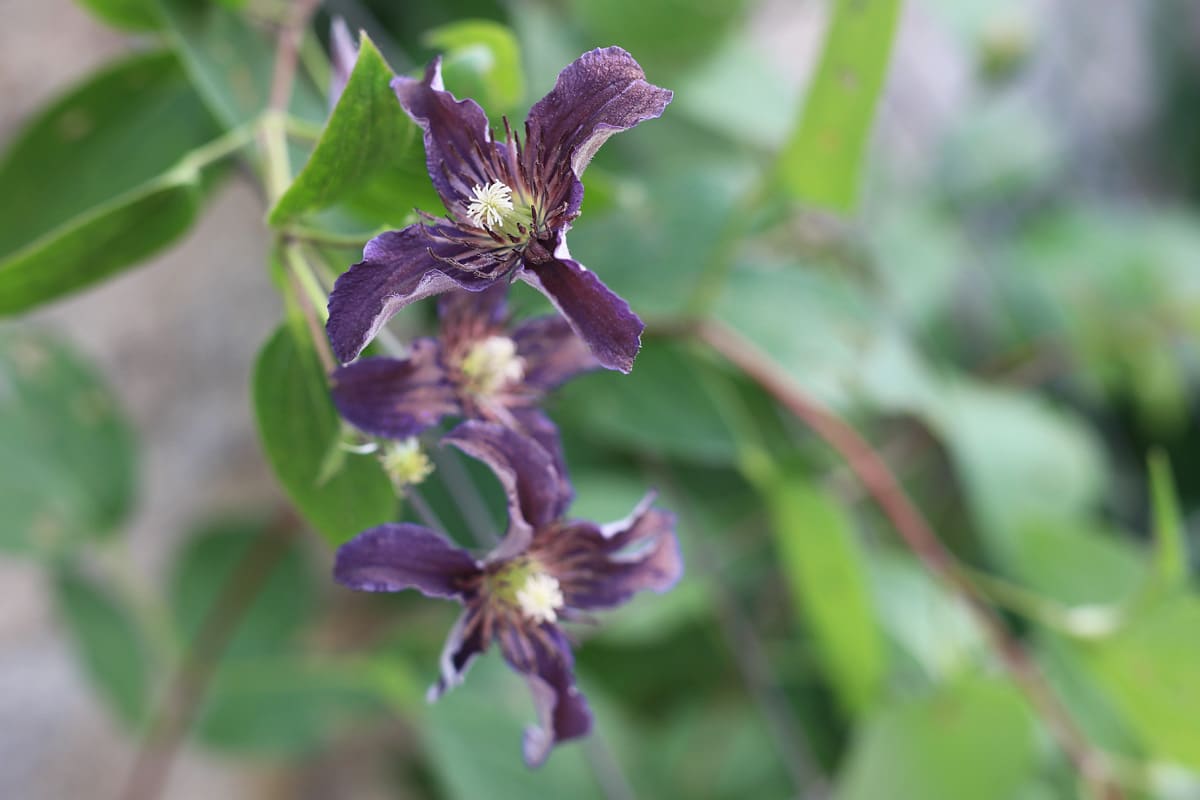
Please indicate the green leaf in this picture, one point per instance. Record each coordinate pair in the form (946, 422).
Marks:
(481, 60)
(67, 455)
(1149, 670)
(133, 15)
(229, 63)
(98, 181)
(1170, 540)
(368, 138)
(822, 162)
(108, 642)
(823, 563)
(662, 407)
(211, 559)
(297, 424)
(285, 704)
(973, 739)
(473, 737)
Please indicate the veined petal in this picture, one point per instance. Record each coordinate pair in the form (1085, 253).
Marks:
(614, 562)
(552, 352)
(468, 317)
(537, 493)
(459, 151)
(536, 425)
(600, 93)
(601, 318)
(398, 268)
(397, 556)
(396, 397)
(544, 658)
(463, 644)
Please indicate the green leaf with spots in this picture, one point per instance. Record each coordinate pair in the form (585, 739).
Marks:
(99, 180)
(822, 162)
(67, 454)
(297, 425)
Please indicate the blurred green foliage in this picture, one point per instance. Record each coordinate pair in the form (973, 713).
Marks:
(1014, 342)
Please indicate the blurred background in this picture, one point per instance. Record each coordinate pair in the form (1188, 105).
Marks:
(1007, 307)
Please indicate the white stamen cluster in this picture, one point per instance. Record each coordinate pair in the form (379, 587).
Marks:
(491, 365)
(406, 463)
(540, 598)
(488, 204)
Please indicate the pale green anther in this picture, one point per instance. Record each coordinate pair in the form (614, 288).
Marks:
(491, 365)
(406, 463)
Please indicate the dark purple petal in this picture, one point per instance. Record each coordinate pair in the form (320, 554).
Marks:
(534, 423)
(398, 268)
(463, 644)
(602, 319)
(552, 352)
(396, 397)
(600, 93)
(399, 556)
(342, 55)
(459, 151)
(537, 495)
(616, 561)
(544, 658)
(468, 317)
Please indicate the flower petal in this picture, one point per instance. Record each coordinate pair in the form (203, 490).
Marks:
(614, 562)
(601, 318)
(396, 397)
(469, 317)
(343, 53)
(398, 556)
(537, 494)
(459, 151)
(600, 93)
(552, 352)
(398, 268)
(544, 658)
(534, 423)
(463, 644)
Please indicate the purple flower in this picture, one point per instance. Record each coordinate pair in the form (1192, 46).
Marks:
(546, 569)
(511, 204)
(476, 369)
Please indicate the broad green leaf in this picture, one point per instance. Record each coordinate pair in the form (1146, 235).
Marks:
(107, 640)
(229, 63)
(823, 564)
(368, 139)
(473, 738)
(297, 425)
(1149, 670)
(99, 180)
(1020, 457)
(134, 15)
(67, 455)
(210, 563)
(481, 60)
(1170, 538)
(822, 162)
(661, 408)
(973, 739)
(812, 323)
(286, 704)
(1075, 563)
(665, 35)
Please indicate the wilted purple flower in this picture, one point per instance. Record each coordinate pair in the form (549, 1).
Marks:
(510, 204)
(476, 368)
(545, 569)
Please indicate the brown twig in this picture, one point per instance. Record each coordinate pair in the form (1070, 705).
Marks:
(181, 699)
(878, 479)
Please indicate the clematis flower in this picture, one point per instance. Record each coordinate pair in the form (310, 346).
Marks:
(477, 368)
(545, 570)
(510, 205)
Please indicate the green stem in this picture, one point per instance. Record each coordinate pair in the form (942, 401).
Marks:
(224, 145)
(329, 238)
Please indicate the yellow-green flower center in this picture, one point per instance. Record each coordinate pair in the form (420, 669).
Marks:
(491, 365)
(524, 585)
(492, 207)
(405, 462)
